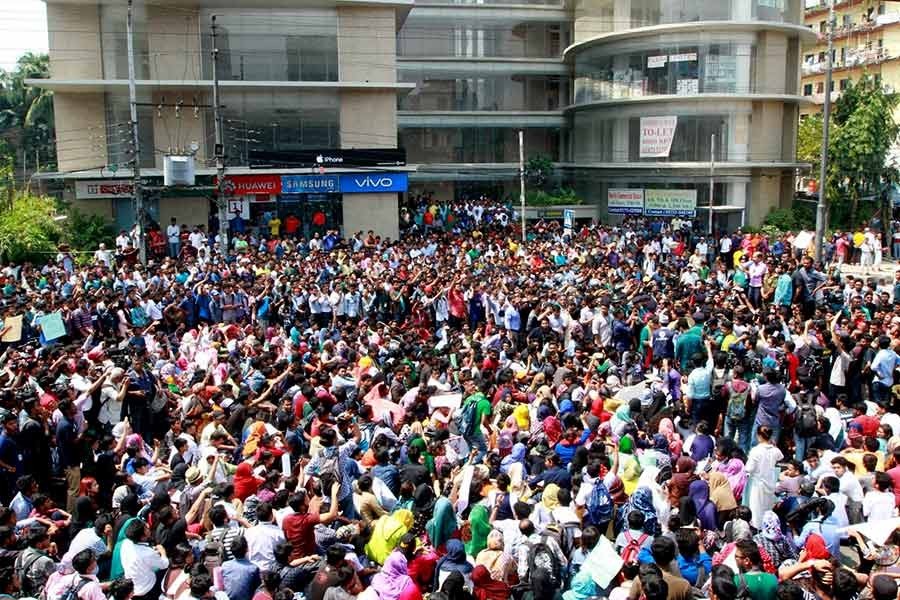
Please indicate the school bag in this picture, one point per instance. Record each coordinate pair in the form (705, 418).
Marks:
(633, 547)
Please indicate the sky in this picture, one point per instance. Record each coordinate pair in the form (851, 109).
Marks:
(23, 28)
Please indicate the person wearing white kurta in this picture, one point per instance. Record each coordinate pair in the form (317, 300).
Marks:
(762, 475)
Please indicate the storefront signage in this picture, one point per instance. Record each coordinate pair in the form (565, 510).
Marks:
(687, 87)
(625, 202)
(335, 157)
(362, 183)
(96, 189)
(248, 185)
(657, 134)
(686, 57)
(655, 62)
(310, 184)
(670, 203)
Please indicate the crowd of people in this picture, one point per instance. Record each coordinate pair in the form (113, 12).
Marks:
(630, 412)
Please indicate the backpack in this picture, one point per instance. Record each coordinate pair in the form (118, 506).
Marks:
(600, 504)
(633, 547)
(215, 551)
(330, 467)
(465, 420)
(807, 424)
(743, 592)
(736, 410)
(72, 591)
(542, 557)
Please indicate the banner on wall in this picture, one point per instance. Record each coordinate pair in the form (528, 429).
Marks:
(670, 203)
(657, 134)
(106, 188)
(625, 202)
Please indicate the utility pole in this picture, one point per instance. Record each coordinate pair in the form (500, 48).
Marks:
(135, 140)
(712, 179)
(826, 115)
(221, 200)
(522, 179)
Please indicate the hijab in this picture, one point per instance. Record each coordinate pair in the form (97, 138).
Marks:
(488, 588)
(681, 479)
(582, 587)
(442, 524)
(522, 416)
(552, 429)
(667, 428)
(706, 510)
(631, 475)
(480, 526)
(256, 432)
(454, 560)
(737, 477)
(390, 582)
(245, 482)
(641, 500)
(720, 492)
(549, 499)
(517, 456)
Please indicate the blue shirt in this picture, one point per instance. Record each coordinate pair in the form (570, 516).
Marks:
(690, 568)
(828, 529)
(241, 578)
(886, 360)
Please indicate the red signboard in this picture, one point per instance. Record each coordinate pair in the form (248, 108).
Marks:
(245, 185)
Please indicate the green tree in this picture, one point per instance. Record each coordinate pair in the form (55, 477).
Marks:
(26, 112)
(863, 133)
(28, 230)
(809, 141)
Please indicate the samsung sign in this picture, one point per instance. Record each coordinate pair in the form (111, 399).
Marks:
(309, 184)
(362, 183)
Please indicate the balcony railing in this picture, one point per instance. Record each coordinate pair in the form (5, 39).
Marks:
(853, 58)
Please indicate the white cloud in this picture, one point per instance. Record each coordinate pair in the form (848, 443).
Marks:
(23, 28)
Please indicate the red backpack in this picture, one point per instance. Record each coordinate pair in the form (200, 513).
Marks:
(633, 547)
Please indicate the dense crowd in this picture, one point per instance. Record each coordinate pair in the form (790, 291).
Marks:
(628, 412)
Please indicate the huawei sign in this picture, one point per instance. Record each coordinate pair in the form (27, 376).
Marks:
(255, 184)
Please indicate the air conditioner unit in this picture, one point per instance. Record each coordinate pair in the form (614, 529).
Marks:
(178, 170)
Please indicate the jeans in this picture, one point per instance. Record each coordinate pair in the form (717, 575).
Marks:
(174, 247)
(755, 296)
(896, 252)
(479, 442)
(801, 445)
(776, 432)
(742, 428)
(347, 508)
(881, 394)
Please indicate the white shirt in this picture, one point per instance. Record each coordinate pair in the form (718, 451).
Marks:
(261, 542)
(878, 506)
(851, 487)
(110, 407)
(173, 231)
(140, 563)
(197, 240)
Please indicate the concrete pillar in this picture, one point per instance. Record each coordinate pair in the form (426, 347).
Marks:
(378, 212)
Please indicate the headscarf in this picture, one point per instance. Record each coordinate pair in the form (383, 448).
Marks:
(641, 500)
(771, 527)
(454, 560)
(493, 558)
(256, 432)
(720, 492)
(386, 534)
(549, 498)
(667, 428)
(442, 523)
(626, 445)
(582, 587)
(773, 539)
(480, 526)
(517, 456)
(706, 510)
(422, 446)
(390, 582)
(681, 479)
(245, 482)
(815, 548)
(737, 477)
(631, 475)
(522, 416)
(488, 588)
(552, 429)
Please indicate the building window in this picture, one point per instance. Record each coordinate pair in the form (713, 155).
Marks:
(845, 83)
(807, 89)
(820, 87)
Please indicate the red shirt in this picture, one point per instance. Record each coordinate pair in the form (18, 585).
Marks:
(300, 531)
(869, 425)
(291, 224)
(895, 477)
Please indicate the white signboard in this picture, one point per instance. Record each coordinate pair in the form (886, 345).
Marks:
(670, 203)
(568, 218)
(655, 62)
(687, 87)
(657, 134)
(103, 188)
(238, 205)
(687, 57)
(624, 202)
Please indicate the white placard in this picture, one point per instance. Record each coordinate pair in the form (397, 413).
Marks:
(655, 62)
(657, 134)
(687, 87)
(624, 202)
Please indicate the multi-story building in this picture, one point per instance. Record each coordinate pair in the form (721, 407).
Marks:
(295, 80)
(636, 101)
(866, 40)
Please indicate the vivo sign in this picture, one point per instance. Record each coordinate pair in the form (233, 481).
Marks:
(374, 182)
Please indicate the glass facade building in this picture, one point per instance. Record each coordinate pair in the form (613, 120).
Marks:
(581, 79)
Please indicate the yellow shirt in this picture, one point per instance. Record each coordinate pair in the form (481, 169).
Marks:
(727, 341)
(275, 226)
(858, 239)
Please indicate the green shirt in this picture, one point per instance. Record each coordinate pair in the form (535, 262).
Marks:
(761, 586)
(482, 409)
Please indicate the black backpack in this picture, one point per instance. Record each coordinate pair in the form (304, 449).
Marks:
(72, 591)
(807, 421)
(542, 557)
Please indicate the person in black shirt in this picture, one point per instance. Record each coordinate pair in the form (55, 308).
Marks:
(68, 445)
(414, 472)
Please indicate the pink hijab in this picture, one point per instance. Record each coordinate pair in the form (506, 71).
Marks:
(737, 478)
(667, 429)
(390, 582)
